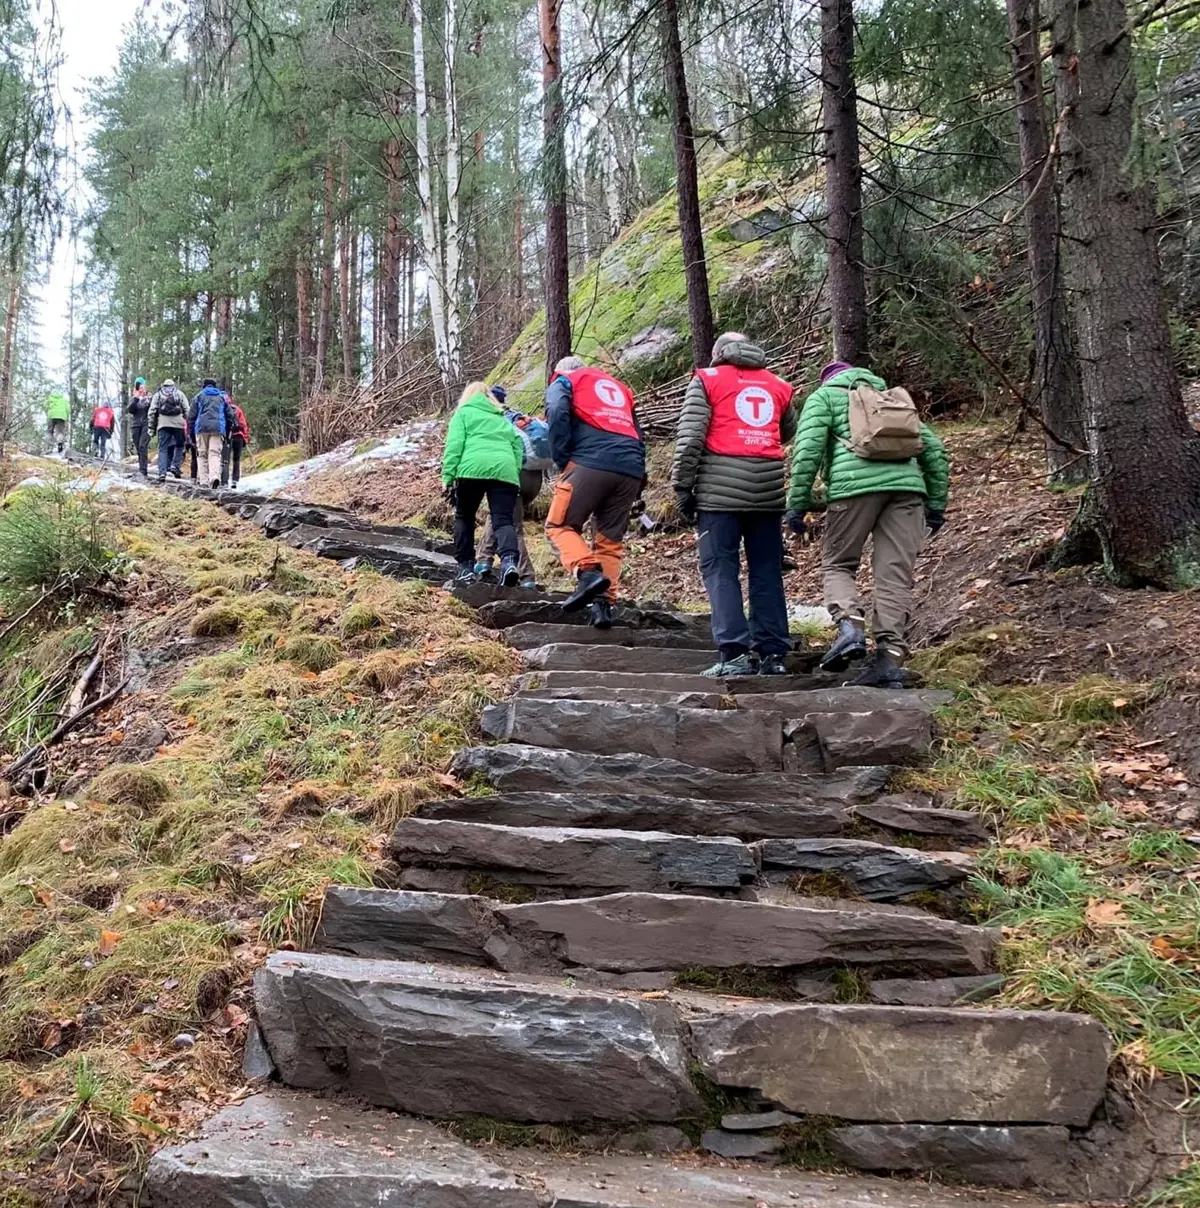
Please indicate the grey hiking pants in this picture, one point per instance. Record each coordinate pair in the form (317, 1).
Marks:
(895, 522)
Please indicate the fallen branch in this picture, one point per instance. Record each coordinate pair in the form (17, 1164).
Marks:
(24, 760)
(75, 700)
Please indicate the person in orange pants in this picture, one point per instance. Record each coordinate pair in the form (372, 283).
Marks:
(596, 440)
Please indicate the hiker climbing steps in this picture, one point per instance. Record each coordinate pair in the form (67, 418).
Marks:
(541, 954)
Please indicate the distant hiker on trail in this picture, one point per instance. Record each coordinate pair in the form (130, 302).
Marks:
(887, 477)
(168, 408)
(595, 438)
(239, 438)
(535, 440)
(139, 422)
(482, 458)
(729, 480)
(209, 421)
(58, 419)
(102, 426)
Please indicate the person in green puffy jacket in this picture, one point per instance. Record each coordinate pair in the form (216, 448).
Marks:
(482, 458)
(892, 502)
(58, 418)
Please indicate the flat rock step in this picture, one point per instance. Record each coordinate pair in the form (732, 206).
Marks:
(579, 656)
(446, 1042)
(874, 870)
(729, 741)
(531, 635)
(564, 858)
(643, 932)
(667, 681)
(292, 1151)
(504, 608)
(695, 816)
(519, 768)
(388, 554)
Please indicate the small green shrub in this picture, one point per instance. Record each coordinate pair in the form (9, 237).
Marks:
(53, 542)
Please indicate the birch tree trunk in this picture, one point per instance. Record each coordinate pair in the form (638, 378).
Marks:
(843, 183)
(450, 282)
(1143, 500)
(557, 265)
(691, 230)
(1056, 372)
(431, 244)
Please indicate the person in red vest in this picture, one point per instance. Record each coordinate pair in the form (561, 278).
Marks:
(102, 426)
(596, 442)
(235, 442)
(728, 477)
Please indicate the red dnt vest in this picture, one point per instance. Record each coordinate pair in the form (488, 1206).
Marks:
(602, 401)
(747, 408)
(102, 417)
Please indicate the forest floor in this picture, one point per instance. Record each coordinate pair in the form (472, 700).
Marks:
(285, 713)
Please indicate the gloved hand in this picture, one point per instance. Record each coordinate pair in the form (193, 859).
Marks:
(638, 508)
(450, 493)
(934, 519)
(795, 521)
(685, 503)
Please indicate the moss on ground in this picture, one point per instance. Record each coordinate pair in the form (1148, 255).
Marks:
(294, 746)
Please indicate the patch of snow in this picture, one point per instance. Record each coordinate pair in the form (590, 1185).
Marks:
(809, 612)
(103, 483)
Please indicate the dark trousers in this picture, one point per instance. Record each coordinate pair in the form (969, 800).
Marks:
(170, 450)
(231, 456)
(100, 441)
(139, 433)
(502, 502)
(722, 535)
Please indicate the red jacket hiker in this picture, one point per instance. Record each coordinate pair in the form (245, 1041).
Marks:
(102, 418)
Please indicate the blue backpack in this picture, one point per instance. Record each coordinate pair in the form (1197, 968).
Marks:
(535, 436)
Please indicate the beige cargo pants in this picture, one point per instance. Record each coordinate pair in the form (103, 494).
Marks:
(895, 522)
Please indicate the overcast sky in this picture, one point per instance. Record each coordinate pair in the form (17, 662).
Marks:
(92, 32)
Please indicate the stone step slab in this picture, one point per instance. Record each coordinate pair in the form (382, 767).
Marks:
(962, 827)
(641, 932)
(728, 741)
(532, 635)
(666, 681)
(937, 992)
(545, 608)
(849, 699)
(570, 858)
(279, 516)
(637, 696)
(879, 872)
(447, 1042)
(747, 820)
(897, 737)
(579, 656)
(909, 1064)
(281, 1149)
(388, 554)
(514, 767)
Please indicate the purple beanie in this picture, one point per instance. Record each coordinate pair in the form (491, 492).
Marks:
(834, 367)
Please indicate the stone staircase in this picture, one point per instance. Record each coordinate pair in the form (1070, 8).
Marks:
(689, 921)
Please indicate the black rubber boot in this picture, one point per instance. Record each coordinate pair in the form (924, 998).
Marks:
(883, 671)
(590, 584)
(849, 646)
(601, 613)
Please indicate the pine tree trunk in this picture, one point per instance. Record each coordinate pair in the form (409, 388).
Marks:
(691, 231)
(325, 305)
(345, 275)
(1144, 464)
(557, 265)
(304, 332)
(1056, 372)
(843, 183)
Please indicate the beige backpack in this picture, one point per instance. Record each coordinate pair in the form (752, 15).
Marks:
(884, 424)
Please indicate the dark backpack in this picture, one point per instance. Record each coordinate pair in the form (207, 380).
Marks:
(172, 403)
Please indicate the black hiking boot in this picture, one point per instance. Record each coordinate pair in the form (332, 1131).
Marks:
(601, 613)
(883, 671)
(465, 574)
(772, 664)
(849, 646)
(509, 575)
(589, 584)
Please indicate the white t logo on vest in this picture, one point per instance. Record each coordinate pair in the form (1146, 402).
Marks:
(755, 406)
(609, 393)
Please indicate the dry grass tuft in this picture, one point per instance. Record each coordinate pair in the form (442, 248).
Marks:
(215, 621)
(130, 784)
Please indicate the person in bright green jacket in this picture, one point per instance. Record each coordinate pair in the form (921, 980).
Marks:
(892, 502)
(58, 418)
(483, 457)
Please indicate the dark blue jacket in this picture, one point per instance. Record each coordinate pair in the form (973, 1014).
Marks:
(573, 440)
(210, 412)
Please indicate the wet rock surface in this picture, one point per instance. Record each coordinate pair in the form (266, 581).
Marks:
(531, 635)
